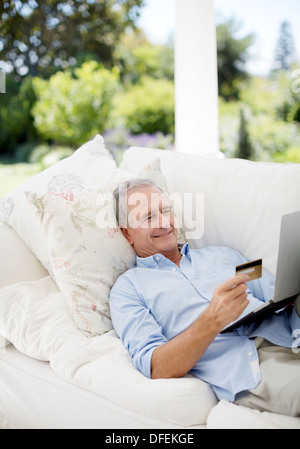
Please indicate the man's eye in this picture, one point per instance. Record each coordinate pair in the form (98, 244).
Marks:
(166, 211)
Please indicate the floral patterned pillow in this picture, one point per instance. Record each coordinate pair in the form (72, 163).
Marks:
(87, 251)
(90, 164)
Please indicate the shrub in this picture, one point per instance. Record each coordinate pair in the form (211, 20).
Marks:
(291, 155)
(147, 107)
(244, 147)
(270, 137)
(229, 122)
(16, 122)
(72, 108)
(262, 95)
(47, 155)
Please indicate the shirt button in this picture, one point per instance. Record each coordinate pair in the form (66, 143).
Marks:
(250, 354)
(173, 269)
(157, 257)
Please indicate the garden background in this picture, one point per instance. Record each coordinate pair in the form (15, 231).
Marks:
(80, 67)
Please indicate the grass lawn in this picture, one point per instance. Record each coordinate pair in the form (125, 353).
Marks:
(13, 175)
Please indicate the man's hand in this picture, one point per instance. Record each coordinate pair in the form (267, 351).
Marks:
(179, 355)
(229, 301)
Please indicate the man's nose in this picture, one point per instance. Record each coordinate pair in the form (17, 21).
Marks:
(164, 220)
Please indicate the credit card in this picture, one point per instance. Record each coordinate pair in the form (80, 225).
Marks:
(253, 269)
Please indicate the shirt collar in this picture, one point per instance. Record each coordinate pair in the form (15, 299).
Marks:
(185, 250)
(152, 261)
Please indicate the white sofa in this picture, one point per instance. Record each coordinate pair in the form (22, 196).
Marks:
(55, 371)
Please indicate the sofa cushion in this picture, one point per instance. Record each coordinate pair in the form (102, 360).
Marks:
(33, 317)
(230, 416)
(17, 262)
(237, 203)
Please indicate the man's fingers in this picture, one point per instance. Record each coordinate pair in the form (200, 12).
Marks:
(242, 296)
(239, 290)
(233, 282)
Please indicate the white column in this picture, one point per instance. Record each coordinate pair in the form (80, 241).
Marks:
(2, 82)
(196, 86)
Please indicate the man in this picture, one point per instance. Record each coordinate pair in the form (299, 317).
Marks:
(170, 308)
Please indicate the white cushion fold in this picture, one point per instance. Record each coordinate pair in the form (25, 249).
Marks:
(33, 317)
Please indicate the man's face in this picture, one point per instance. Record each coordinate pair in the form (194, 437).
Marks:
(150, 222)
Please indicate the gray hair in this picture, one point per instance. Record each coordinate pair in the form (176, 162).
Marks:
(121, 195)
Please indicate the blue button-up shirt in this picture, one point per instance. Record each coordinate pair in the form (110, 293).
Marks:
(156, 300)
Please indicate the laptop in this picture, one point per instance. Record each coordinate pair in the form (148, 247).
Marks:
(287, 278)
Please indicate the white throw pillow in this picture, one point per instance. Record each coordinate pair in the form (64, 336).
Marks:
(90, 164)
(86, 252)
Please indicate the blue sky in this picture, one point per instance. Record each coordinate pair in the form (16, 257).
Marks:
(262, 17)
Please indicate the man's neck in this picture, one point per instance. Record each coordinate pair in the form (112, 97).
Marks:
(174, 256)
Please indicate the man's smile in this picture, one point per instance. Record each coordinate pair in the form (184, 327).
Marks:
(165, 234)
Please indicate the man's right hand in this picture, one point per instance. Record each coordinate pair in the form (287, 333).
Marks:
(179, 355)
(228, 302)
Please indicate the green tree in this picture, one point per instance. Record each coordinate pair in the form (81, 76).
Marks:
(41, 37)
(147, 107)
(232, 56)
(138, 57)
(285, 47)
(16, 121)
(245, 149)
(285, 86)
(72, 107)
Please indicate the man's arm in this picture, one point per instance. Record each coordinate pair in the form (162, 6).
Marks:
(179, 355)
(134, 324)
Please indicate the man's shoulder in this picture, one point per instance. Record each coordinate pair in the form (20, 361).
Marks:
(126, 278)
(128, 273)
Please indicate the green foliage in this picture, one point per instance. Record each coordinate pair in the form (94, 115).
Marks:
(285, 48)
(68, 107)
(47, 155)
(232, 56)
(154, 60)
(263, 95)
(244, 148)
(71, 109)
(228, 126)
(23, 151)
(15, 115)
(291, 155)
(147, 107)
(289, 109)
(272, 135)
(278, 96)
(138, 58)
(39, 38)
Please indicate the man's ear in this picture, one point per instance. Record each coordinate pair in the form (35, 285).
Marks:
(126, 234)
